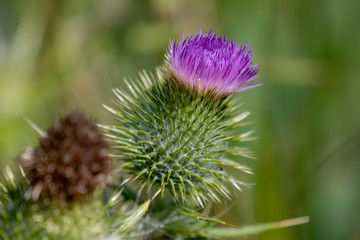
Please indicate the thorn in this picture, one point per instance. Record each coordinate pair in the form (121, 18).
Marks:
(109, 109)
(36, 128)
(157, 193)
(241, 116)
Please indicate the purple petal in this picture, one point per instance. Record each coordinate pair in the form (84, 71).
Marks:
(207, 63)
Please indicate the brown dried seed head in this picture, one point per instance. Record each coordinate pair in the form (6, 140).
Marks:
(71, 161)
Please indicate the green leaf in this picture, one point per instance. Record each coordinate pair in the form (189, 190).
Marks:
(198, 216)
(254, 229)
(129, 222)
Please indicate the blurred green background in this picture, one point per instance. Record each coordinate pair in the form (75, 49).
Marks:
(57, 56)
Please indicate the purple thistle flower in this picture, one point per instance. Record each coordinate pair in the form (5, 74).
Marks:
(207, 64)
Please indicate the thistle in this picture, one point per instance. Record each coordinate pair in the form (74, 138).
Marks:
(70, 162)
(176, 126)
(173, 136)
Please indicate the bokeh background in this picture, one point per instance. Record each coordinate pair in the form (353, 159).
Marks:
(57, 56)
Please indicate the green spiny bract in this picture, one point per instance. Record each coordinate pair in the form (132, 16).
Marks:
(176, 140)
(26, 219)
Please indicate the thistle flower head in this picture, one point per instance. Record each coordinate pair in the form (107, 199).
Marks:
(71, 161)
(205, 63)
